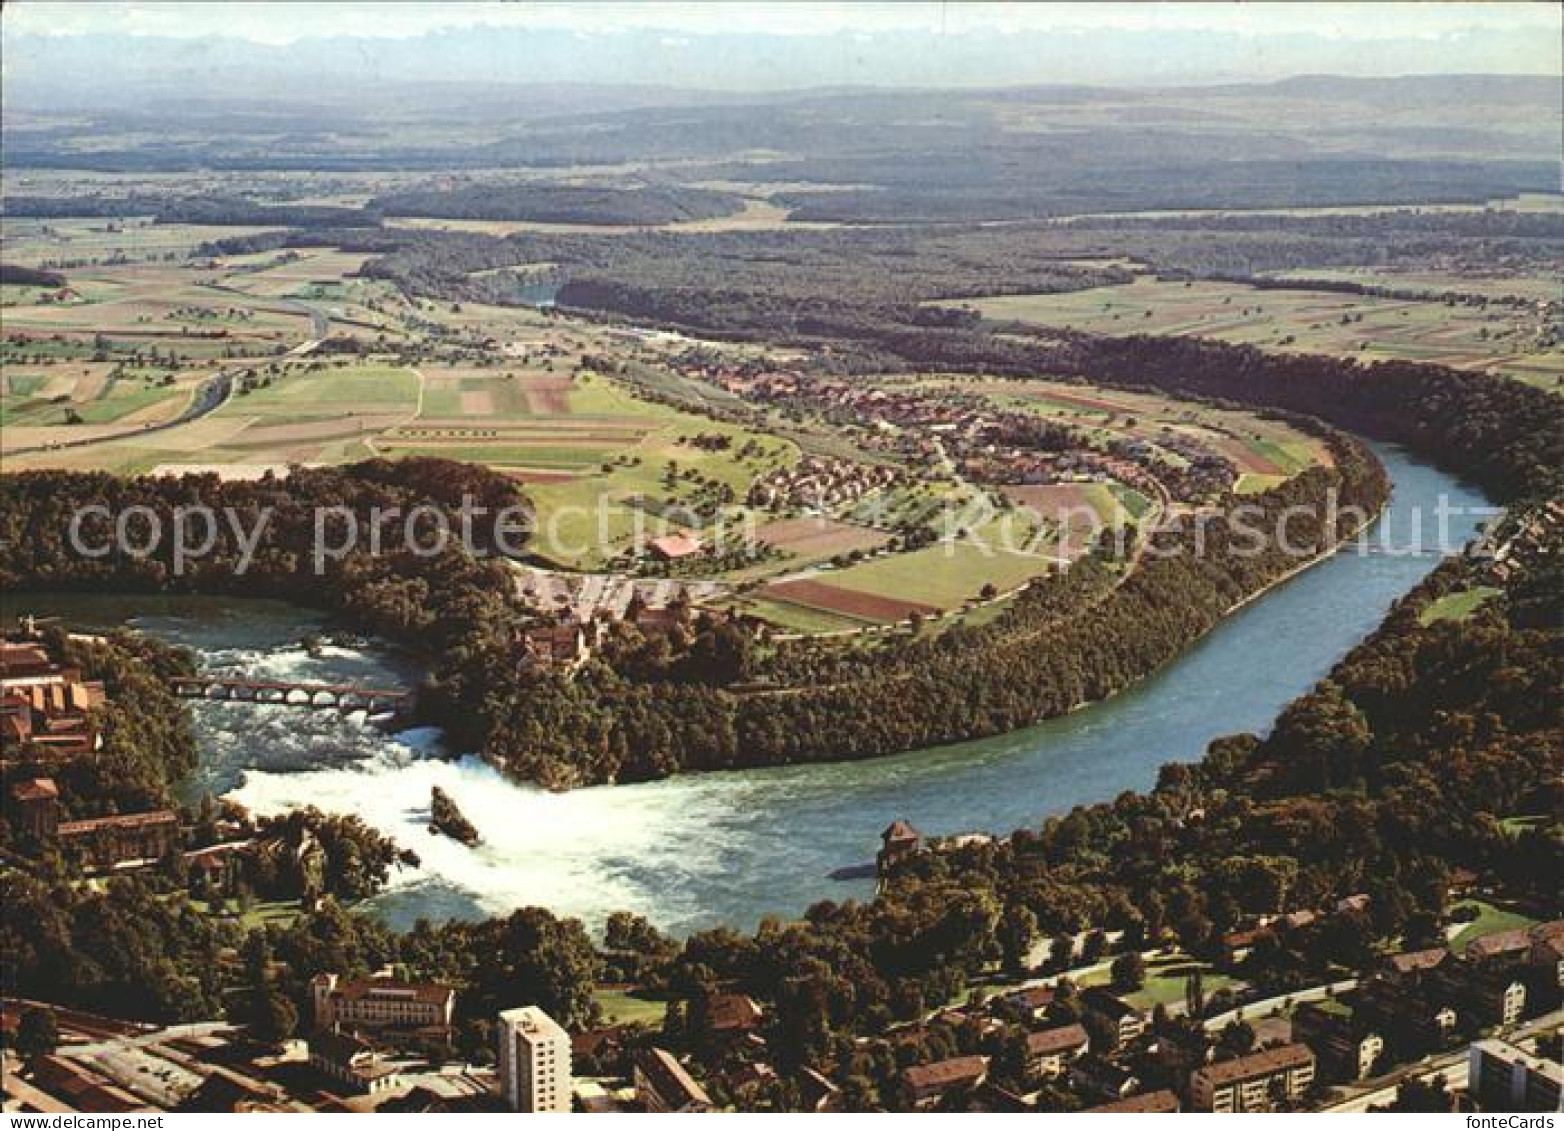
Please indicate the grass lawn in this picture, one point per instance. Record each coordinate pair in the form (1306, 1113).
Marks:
(1166, 977)
(1490, 921)
(943, 575)
(1515, 826)
(1458, 606)
(621, 1008)
(124, 398)
(281, 912)
(330, 393)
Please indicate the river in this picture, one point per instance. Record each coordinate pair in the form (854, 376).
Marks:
(703, 849)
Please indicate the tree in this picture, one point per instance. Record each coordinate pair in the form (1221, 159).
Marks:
(1195, 994)
(1017, 929)
(275, 1019)
(37, 1034)
(1128, 972)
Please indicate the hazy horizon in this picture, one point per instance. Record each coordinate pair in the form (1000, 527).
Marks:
(75, 54)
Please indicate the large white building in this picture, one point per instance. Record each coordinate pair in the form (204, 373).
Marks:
(534, 1061)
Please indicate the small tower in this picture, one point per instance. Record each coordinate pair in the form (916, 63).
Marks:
(897, 843)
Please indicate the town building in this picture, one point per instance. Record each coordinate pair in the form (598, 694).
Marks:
(352, 1061)
(663, 1085)
(381, 1003)
(129, 840)
(1028, 1005)
(1095, 1075)
(534, 1061)
(35, 807)
(1161, 1102)
(1049, 1051)
(1121, 1018)
(1489, 996)
(1502, 1077)
(1261, 1081)
(924, 1085)
(1415, 1017)
(1347, 1050)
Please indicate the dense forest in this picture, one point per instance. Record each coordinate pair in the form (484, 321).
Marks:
(547, 202)
(1396, 769)
(452, 608)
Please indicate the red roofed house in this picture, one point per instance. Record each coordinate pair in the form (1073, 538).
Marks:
(672, 547)
(924, 1085)
(732, 1015)
(662, 1084)
(1049, 1050)
(381, 1003)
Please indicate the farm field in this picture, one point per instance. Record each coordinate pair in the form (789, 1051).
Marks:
(32, 243)
(1269, 449)
(1458, 606)
(934, 580)
(1537, 286)
(1499, 339)
(633, 461)
(815, 538)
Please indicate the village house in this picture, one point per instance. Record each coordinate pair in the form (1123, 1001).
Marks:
(1028, 1005)
(555, 647)
(673, 547)
(352, 1061)
(1239, 945)
(1259, 1082)
(1416, 961)
(44, 705)
(924, 1085)
(1049, 1051)
(381, 1003)
(662, 1084)
(1503, 948)
(731, 1017)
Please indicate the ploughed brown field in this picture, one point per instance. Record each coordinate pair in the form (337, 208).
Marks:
(814, 594)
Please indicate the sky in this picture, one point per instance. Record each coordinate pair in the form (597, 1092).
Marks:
(94, 54)
(281, 23)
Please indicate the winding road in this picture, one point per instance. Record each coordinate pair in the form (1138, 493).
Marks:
(212, 395)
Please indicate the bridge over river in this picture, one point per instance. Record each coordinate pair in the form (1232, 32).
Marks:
(284, 693)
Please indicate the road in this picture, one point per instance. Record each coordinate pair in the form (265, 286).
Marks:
(208, 399)
(1453, 1066)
